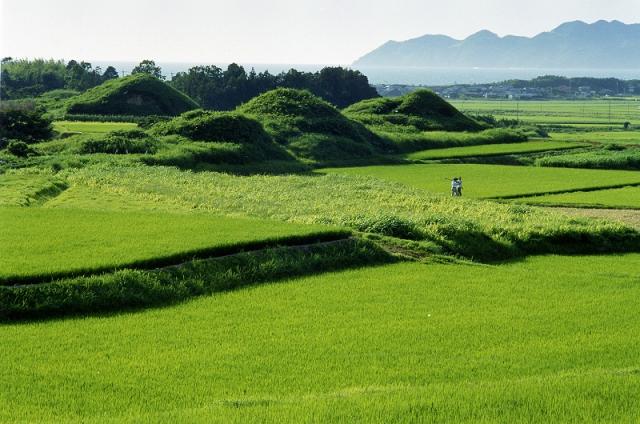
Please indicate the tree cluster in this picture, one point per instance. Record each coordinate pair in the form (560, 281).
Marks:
(219, 89)
(23, 121)
(30, 78)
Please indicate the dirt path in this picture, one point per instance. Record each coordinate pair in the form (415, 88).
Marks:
(626, 216)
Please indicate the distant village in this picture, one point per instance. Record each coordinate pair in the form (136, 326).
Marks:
(546, 87)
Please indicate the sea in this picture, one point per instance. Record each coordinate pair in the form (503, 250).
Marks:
(403, 75)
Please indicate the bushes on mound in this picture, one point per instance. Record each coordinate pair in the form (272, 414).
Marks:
(201, 125)
(121, 142)
(138, 95)
(422, 110)
(312, 128)
(290, 102)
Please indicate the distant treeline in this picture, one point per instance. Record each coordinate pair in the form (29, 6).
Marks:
(614, 85)
(216, 89)
(30, 78)
(210, 86)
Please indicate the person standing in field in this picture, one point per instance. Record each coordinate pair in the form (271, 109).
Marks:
(460, 186)
(454, 186)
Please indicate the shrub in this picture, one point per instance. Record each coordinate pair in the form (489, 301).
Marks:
(121, 142)
(215, 126)
(25, 122)
(422, 109)
(289, 102)
(20, 149)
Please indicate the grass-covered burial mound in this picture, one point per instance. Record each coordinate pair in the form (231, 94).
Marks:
(138, 95)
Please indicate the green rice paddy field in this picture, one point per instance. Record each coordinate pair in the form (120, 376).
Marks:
(493, 181)
(548, 339)
(615, 111)
(443, 338)
(493, 150)
(39, 243)
(91, 127)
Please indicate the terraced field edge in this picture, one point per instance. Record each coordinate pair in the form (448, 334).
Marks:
(134, 289)
(178, 258)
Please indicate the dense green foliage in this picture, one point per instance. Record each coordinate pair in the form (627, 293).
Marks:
(214, 126)
(121, 142)
(20, 149)
(312, 128)
(23, 121)
(216, 89)
(29, 78)
(139, 94)
(539, 340)
(596, 159)
(40, 244)
(148, 67)
(421, 110)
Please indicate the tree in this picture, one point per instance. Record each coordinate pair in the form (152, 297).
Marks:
(109, 73)
(81, 76)
(23, 121)
(148, 67)
(343, 87)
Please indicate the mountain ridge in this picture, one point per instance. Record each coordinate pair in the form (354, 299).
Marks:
(575, 44)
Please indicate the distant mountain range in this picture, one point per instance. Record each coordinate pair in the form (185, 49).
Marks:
(603, 44)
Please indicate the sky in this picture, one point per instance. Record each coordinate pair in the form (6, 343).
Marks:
(269, 31)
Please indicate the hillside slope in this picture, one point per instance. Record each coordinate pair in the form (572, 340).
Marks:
(312, 128)
(422, 110)
(138, 94)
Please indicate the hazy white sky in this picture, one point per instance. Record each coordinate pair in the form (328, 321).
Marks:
(269, 31)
